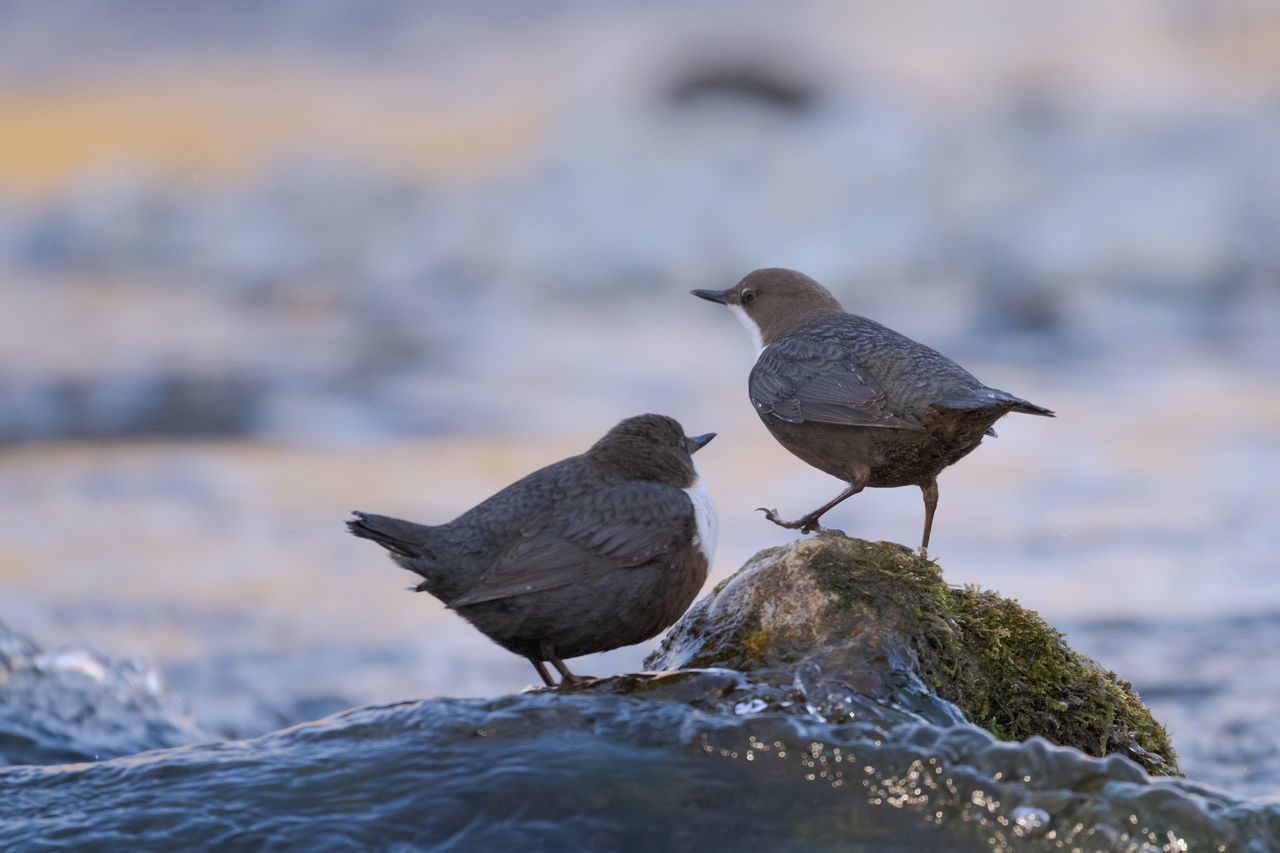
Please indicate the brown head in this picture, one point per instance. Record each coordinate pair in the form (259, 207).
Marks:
(771, 303)
(650, 447)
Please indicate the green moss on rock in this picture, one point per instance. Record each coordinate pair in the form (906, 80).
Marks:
(861, 610)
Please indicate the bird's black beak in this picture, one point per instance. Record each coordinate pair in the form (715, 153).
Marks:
(698, 440)
(711, 296)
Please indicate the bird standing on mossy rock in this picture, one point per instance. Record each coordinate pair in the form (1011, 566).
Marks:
(854, 398)
(590, 553)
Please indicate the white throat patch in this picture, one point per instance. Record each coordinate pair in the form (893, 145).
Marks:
(750, 325)
(704, 512)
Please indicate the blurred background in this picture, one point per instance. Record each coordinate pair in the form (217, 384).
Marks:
(265, 263)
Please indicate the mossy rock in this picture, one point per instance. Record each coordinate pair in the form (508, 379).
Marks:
(863, 611)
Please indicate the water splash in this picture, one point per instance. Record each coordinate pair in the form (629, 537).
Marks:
(77, 705)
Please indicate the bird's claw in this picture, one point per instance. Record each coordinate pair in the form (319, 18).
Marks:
(804, 525)
(772, 515)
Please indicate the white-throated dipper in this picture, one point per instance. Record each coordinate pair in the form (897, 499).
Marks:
(590, 553)
(854, 398)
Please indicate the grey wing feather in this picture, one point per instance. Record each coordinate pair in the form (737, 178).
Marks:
(797, 381)
(625, 526)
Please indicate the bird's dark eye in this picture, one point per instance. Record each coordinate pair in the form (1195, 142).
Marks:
(748, 297)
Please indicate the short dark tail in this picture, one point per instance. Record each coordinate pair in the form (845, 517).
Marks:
(402, 538)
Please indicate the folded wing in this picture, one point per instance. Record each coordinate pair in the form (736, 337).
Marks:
(798, 380)
(587, 537)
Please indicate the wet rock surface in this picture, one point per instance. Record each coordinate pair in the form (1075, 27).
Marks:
(877, 620)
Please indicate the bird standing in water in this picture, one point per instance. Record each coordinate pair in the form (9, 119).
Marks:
(854, 398)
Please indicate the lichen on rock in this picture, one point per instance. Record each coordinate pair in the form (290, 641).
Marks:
(875, 618)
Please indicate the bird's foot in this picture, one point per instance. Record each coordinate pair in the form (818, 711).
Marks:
(772, 515)
(807, 524)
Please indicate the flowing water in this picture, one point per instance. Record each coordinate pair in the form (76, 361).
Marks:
(696, 760)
